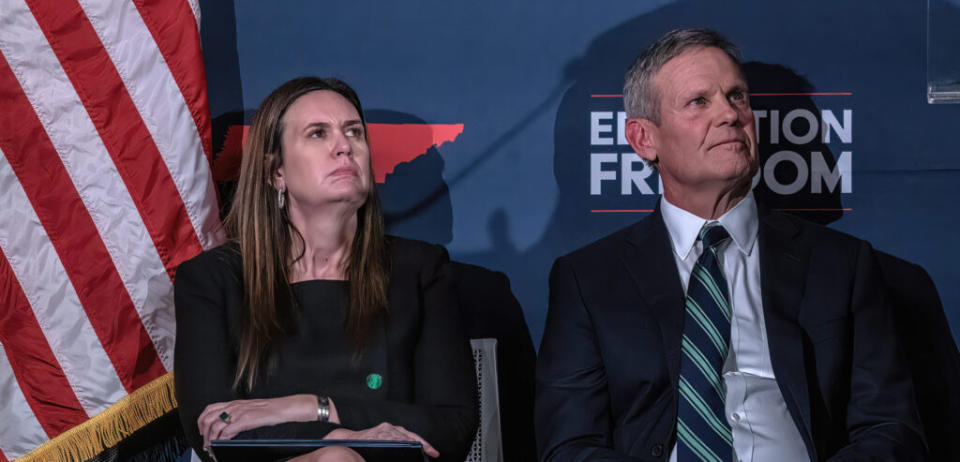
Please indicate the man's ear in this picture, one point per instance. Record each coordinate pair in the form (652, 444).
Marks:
(642, 135)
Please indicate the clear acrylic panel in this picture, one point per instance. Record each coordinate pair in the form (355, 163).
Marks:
(943, 51)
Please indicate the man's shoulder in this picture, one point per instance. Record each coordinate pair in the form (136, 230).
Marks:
(612, 245)
(812, 233)
(832, 251)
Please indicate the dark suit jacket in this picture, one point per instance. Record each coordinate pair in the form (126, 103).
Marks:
(429, 384)
(610, 357)
(491, 311)
(930, 350)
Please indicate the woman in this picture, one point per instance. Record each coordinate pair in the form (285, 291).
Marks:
(310, 323)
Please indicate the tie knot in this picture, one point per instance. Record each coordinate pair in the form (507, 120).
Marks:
(713, 234)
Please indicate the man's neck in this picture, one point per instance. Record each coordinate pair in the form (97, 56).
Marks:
(706, 204)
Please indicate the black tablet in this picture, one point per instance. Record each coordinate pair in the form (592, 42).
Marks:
(274, 450)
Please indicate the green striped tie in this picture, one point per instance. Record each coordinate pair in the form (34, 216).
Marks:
(702, 430)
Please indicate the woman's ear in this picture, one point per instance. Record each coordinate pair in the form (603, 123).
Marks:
(276, 178)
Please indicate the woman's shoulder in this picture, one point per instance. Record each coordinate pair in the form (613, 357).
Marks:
(221, 260)
(411, 252)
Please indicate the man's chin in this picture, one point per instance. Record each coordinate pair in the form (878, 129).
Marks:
(739, 167)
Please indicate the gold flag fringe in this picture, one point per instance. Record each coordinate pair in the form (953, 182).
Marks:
(109, 427)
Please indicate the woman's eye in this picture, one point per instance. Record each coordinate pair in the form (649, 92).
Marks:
(354, 132)
(316, 133)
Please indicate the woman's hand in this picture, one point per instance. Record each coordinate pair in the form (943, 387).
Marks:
(222, 421)
(384, 431)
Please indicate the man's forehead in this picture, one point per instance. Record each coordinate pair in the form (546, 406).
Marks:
(699, 66)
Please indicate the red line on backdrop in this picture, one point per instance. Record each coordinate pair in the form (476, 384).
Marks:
(825, 93)
(121, 128)
(37, 370)
(621, 211)
(779, 210)
(73, 234)
(174, 29)
(834, 209)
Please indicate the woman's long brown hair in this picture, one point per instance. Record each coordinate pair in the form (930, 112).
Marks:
(264, 237)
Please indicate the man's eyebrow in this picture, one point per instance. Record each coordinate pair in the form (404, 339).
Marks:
(353, 122)
(693, 92)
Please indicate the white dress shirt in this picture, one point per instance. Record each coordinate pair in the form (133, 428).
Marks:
(762, 427)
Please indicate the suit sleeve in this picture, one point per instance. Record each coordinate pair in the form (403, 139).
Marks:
(444, 409)
(572, 409)
(882, 418)
(204, 362)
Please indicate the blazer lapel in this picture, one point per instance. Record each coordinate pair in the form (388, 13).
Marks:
(783, 269)
(648, 258)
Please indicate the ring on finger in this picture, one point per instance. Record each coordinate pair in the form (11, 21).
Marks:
(224, 416)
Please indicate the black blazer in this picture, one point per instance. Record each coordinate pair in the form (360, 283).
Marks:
(429, 386)
(930, 350)
(610, 357)
(490, 310)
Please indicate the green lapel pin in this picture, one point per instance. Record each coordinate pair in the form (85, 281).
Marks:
(374, 381)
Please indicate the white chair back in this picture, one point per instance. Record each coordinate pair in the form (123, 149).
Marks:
(486, 445)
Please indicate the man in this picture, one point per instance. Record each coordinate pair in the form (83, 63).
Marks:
(713, 330)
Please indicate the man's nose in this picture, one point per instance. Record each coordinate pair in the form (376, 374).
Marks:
(729, 115)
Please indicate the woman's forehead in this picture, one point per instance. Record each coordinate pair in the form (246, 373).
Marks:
(320, 106)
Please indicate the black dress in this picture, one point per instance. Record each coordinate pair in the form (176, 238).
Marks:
(416, 370)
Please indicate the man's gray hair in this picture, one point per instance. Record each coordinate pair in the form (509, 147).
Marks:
(640, 99)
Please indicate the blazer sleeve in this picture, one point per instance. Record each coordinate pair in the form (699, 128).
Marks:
(444, 409)
(881, 416)
(204, 362)
(572, 411)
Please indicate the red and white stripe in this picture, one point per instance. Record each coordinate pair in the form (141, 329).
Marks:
(106, 188)
(15, 403)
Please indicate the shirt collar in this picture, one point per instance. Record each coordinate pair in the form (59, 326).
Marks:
(740, 221)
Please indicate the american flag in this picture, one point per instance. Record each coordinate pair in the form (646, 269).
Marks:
(105, 188)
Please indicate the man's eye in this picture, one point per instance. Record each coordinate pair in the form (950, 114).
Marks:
(318, 133)
(698, 101)
(354, 132)
(738, 96)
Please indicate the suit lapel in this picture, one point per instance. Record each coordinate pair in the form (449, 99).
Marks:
(783, 269)
(648, 258)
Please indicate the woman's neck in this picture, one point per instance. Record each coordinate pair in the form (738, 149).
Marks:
(327, 239)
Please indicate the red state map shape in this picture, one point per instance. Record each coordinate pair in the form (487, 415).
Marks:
(390, 145)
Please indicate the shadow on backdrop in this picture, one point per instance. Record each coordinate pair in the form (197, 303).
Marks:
(586, 212)
(415, 198)
(218, 33)
(581, 217)
(416, 204)
(823, 207)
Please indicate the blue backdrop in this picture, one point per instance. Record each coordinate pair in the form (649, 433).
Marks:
(839, 92)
